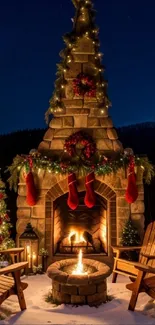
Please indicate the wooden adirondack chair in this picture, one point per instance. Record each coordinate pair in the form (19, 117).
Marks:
(147, 250)
(145, 281)
(11, 285)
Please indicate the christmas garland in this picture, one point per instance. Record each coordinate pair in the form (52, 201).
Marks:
(89, 146)
(83, 85)
(104, 167)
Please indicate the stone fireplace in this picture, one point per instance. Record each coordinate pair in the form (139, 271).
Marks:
(62, 231)
(54, 222)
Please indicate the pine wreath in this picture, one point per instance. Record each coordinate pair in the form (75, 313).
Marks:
(86, 141)
(84, 85)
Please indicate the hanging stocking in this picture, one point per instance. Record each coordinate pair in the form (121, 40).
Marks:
(31, 195)
(90, 197)
(131, 192)
(73, 199)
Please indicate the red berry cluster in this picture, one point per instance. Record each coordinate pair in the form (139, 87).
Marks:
(84, 85)
(85, 140)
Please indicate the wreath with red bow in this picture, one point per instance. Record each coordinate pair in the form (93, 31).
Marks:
(88, 146)
(84, 85)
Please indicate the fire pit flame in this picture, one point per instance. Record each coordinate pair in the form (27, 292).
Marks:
(79, 267)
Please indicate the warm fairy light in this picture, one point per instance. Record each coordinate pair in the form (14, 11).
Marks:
(78, 236)
(79, 267)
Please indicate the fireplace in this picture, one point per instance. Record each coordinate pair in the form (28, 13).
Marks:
(84, 228)
(62, 232)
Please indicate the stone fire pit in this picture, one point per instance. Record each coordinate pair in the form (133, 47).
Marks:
(88, 289)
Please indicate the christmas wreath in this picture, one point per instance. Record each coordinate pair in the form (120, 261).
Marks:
(84, 85)
(82, 139)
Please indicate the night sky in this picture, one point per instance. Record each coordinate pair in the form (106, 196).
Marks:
(31, 39)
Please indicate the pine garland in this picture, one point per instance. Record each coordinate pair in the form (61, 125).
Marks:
(101, 168)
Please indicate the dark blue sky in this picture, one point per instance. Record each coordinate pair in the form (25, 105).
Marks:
(31, 39)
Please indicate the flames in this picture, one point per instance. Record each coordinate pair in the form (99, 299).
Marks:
(78, 236)
(79, 270)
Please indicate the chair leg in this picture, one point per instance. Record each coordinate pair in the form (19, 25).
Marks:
(19, 290)
(114, 277)
(136, 290)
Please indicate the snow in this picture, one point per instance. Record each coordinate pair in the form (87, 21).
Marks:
(114, 312)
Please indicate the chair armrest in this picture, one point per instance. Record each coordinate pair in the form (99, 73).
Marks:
(145, 268)
(125, 248)
(150, 257)
(13, 268)
(12, 250)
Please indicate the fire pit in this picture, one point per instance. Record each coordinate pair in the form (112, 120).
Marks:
(79, 283)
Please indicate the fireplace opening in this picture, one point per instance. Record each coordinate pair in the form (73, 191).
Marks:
(83, 228)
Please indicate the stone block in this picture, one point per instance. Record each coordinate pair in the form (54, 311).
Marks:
(74, 103)
(112, 134)
(100, 133)
(24, 213)
(80, 121)
(91, 104)
(106, 122)
(63, 133)
(61, 297)
(88, 68)
(78, 300)
(56, 122)
(69, 92)
(104, 144)
(102, 287)
(22, 190)
(93, 122)
(98, 298)
(80, 58)
(68, 121)
(138, 207)
(117, 146)
(57, 144)
(38, 212)
(123, 213)
(121, 203)
(87, 290)
(74, 69)
(21, 202)
(71, 290)
(43, 146)
(77, 279)
(84, 46)
(49, 135)
(56, 286)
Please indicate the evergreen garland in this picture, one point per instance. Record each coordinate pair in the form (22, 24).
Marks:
(100, 166)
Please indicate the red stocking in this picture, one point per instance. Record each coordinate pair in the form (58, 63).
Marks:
(131, 192)
(90, 198)
(31, 195)
(73, 199)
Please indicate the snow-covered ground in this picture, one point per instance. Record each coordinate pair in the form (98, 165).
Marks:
(112, 313)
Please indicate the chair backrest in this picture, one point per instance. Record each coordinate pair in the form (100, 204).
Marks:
(148, 245)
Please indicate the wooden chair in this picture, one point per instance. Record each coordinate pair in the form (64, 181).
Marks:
(147, 249)
(11, 285)
(145, 282)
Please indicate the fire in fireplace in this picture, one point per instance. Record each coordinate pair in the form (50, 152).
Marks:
(83, 228)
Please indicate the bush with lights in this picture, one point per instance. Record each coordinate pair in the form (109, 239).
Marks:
(5, 225)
